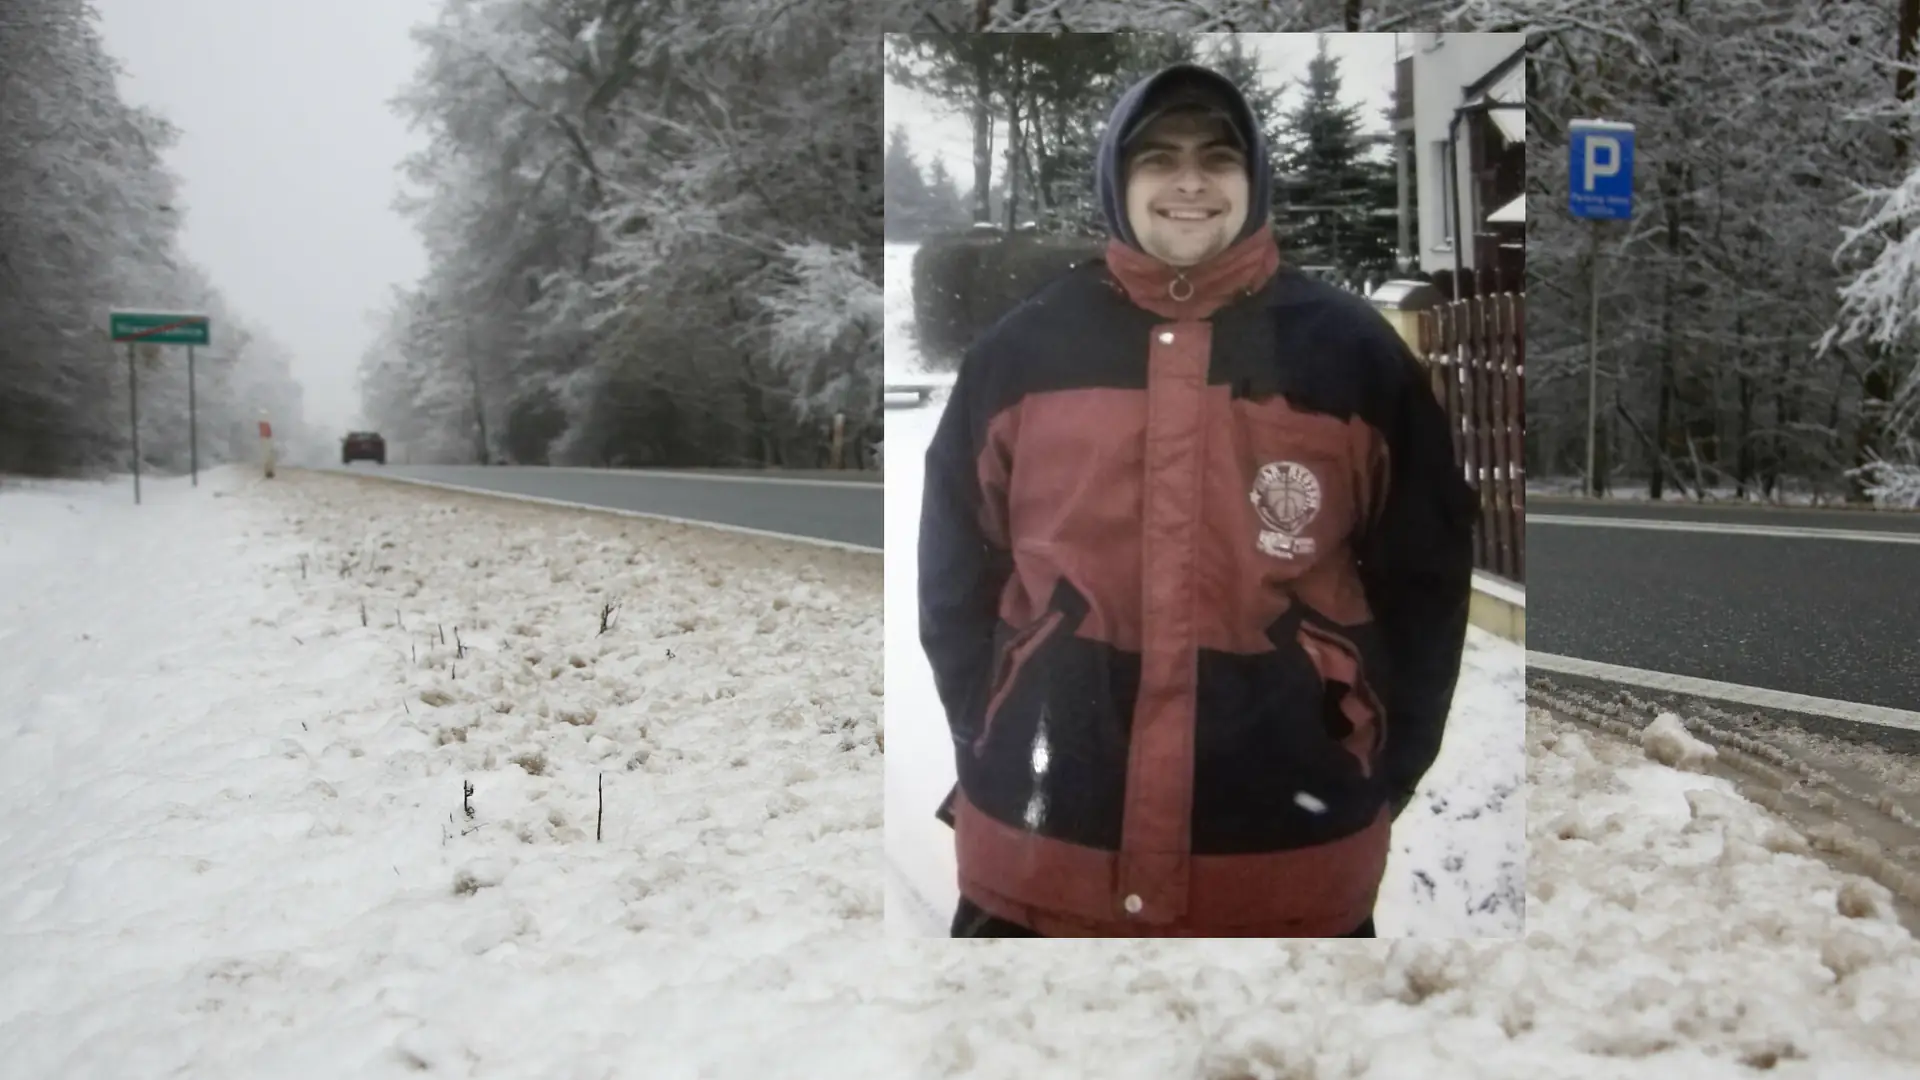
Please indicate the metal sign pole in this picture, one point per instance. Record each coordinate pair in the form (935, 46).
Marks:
(1599, 188)
(193, 423)
(1593, 355)
(133, 404)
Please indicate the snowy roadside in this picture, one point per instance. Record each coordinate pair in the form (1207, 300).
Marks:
(191, 881)
(236, 840)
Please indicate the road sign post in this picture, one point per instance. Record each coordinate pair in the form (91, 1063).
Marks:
(133, 406)
(193, 423)
(154, 328)
(1599, 188)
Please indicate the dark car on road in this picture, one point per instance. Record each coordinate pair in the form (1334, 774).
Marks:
(363, 446)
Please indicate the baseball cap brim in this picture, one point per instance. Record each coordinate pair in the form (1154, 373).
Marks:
(1184, 96)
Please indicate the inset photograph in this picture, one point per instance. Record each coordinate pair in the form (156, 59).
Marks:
(1205, 546)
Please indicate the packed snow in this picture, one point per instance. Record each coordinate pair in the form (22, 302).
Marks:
(239, 725)
(234, 841)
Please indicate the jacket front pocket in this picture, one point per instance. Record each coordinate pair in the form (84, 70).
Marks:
(1338, 662)
(1018, 651)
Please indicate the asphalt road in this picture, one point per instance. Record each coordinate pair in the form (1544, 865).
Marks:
(844, 511)
(1826, 617)
(1785, 516)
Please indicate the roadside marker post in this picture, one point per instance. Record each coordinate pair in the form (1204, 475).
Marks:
(1599, 188)
(155, 328)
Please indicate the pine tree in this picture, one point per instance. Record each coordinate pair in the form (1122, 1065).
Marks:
(1232, 59)
(946, 208)
(907, 199)
(1335, 185)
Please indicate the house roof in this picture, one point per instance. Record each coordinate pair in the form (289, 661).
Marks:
(1498, 72)
(1505, 83)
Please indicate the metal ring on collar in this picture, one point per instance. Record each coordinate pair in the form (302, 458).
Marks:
(1173, 289)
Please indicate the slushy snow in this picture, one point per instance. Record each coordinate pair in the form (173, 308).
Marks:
(234, 843)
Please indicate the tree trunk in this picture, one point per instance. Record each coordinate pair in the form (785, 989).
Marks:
(1672, 186)
(1743, 460)
(1016, 176)
(1877, 381)
(479, 405)
(982, 131)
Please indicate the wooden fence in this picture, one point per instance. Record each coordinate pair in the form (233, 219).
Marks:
(1475, 351)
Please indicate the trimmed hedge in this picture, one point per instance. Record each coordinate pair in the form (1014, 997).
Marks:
(963, 284)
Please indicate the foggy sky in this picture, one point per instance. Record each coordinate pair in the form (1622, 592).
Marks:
(287, 159)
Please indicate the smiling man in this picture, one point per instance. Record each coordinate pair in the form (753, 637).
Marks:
(1195, 557)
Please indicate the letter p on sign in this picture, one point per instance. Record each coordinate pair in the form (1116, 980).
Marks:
(1603, 158)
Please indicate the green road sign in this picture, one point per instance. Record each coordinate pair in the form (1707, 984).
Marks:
(160, 328)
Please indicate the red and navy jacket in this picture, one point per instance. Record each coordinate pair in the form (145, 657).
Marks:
(1194, 591)
(1193, 583)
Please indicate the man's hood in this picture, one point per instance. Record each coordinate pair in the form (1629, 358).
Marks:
(1110, 172)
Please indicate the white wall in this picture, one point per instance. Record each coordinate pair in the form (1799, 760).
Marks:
(1444, 65)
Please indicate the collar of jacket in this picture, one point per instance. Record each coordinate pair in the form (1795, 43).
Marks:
(1197, 291)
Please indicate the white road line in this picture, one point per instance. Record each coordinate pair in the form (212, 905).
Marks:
(1752, 696)
(1789, 531)
(517, 497)
(649, 474)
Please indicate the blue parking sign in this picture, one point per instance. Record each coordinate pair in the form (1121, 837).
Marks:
(1600, 169)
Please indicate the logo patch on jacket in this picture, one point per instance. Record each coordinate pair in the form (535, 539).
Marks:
(1286, 495)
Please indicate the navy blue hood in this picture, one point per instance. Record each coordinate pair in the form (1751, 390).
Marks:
(1109, 167)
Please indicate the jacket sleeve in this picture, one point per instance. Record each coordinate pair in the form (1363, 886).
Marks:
(1417, 569)
(963, 565)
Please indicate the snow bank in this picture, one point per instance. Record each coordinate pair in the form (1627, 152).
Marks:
(1668, 742)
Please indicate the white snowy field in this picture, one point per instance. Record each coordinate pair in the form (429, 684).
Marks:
(237, 722)
(232, 842)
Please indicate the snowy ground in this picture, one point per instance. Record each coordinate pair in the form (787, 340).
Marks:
(232, 844)
(902, 353)
(234, 840)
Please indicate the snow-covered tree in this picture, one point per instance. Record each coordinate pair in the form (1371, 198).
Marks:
(89, 218)
(613, 196)
(1335, 185)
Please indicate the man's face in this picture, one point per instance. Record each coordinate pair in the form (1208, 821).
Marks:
(1187, 188)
